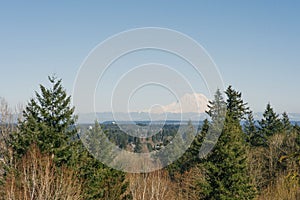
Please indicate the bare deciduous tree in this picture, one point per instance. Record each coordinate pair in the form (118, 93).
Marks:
(158, 185)
(36, 177)
(149, 186)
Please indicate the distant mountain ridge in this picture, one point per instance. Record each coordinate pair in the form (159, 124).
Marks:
(140, 116)
(145, 116)
(88, 118)
(190, 106)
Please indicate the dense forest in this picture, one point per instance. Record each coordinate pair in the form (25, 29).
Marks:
(43, 157)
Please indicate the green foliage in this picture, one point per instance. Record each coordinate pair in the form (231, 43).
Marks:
(217, 113)
(286, 124)
(177, 147)
(217, 108)
(100, 181)
(191, 156)
(195, 147)
(273, 148)
(97, 143)
(226, 166)
(296, 129)
(138, 146)
(236, 108)
(270, 124)
(253, 136)
(49, 122)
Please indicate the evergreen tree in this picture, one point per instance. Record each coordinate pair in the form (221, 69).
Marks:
(236, 108)
(100, 181)
(217, 113)
(97, 143)
(48, 121)
(172, 153)
(217, 108)
(253, 136)
(286, 124)
(138, 146)
(296, 128)
(270, 124)
(226, 166)
(198, 142)
(191, 156)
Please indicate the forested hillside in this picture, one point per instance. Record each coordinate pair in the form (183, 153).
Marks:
(43, 157)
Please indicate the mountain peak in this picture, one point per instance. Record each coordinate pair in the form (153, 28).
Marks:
(188, 103)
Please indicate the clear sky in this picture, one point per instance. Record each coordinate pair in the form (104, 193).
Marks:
(255, 44)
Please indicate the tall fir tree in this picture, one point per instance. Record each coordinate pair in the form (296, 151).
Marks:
(97, 143)
(217, 112)
(49, 121)
(191, 158)
(286, 124)
(197, 144)
(270, 124)
(226, 166)
(253, 136)
(100, 181)
(236, 108)
(217, 108)
(173, 154)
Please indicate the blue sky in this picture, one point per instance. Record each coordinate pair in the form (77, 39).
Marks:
(255, 44)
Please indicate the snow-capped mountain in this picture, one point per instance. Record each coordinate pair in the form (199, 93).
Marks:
(188, 103)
